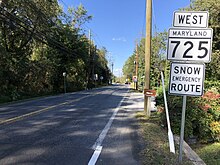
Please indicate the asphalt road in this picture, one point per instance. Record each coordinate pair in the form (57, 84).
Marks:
(88, 127)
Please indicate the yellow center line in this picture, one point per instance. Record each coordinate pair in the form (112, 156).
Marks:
(14, 119)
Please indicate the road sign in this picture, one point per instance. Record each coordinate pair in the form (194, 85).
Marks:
(187, 79)
(149, 92)
(95, 77)
(189, 44)
(134, 78)
(191, 19)
(192, 43)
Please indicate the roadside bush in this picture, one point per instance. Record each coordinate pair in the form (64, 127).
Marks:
(213, 85)
(202, 114)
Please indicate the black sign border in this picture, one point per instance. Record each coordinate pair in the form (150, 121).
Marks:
(178, 94)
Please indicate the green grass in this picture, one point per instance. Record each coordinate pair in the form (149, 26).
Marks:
(209, 153)
(156, 151)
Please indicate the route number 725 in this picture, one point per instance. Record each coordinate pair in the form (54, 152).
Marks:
(190, 44)
(189, 49)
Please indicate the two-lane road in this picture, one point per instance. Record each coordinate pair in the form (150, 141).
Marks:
(67, 129)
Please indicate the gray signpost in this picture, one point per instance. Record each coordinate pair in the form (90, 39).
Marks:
(189, 47)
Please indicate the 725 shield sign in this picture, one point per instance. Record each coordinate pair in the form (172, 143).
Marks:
(189, 44)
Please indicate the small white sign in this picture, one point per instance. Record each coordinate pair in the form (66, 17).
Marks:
(95, 77)
(134, 78)
(192, 19)
(189, 44)
(187, 79)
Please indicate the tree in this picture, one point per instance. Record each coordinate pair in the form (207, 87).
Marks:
(38, 43)
(102, 65)
(18, 28)
(80, 16)
(157, 59)
(128, 68)
(212, 6)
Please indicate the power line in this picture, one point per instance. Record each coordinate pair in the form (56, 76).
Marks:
(98, 41)
(154, 18)
(64, 4)
(42, 37)
(144, 20)
(38, 35)
(95, 36)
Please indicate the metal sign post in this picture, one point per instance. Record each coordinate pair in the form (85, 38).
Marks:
(64, 81)
(182, 129)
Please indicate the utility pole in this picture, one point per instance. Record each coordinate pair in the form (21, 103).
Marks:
(89, 40)
(147, 55)
(112, 73)
(136, 69)
(90, 59)
(93, 64)
(64, 82)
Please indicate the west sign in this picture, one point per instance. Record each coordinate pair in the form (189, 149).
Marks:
(191, 19)
(187, 79)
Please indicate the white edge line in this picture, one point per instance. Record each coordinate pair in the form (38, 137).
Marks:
(97, 146)
(95, 155)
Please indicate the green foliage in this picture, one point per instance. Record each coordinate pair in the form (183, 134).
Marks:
(129, 67)
(213, 85)
(157, 60)
(213, 68)
(38, 42)
(209, 153)
(80, 16)
(212, 6)
(202, 114)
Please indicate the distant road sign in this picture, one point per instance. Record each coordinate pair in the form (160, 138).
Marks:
(189, 44)
(191, 19)
(187, 79)
(149, 92)
(134, 78)
(95, 76)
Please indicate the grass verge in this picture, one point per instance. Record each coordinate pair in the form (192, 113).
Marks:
(209, 153)
(156, 151)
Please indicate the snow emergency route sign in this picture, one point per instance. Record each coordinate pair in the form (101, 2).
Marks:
(189, 44)
(186, 79)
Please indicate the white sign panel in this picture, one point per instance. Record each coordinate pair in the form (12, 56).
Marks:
(190, 19)
(135, 78)
(189, 44)
(187, 79)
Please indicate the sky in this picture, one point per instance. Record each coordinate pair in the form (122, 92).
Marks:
(118, 24)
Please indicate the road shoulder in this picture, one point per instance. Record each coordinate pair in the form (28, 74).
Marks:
(123, 143)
